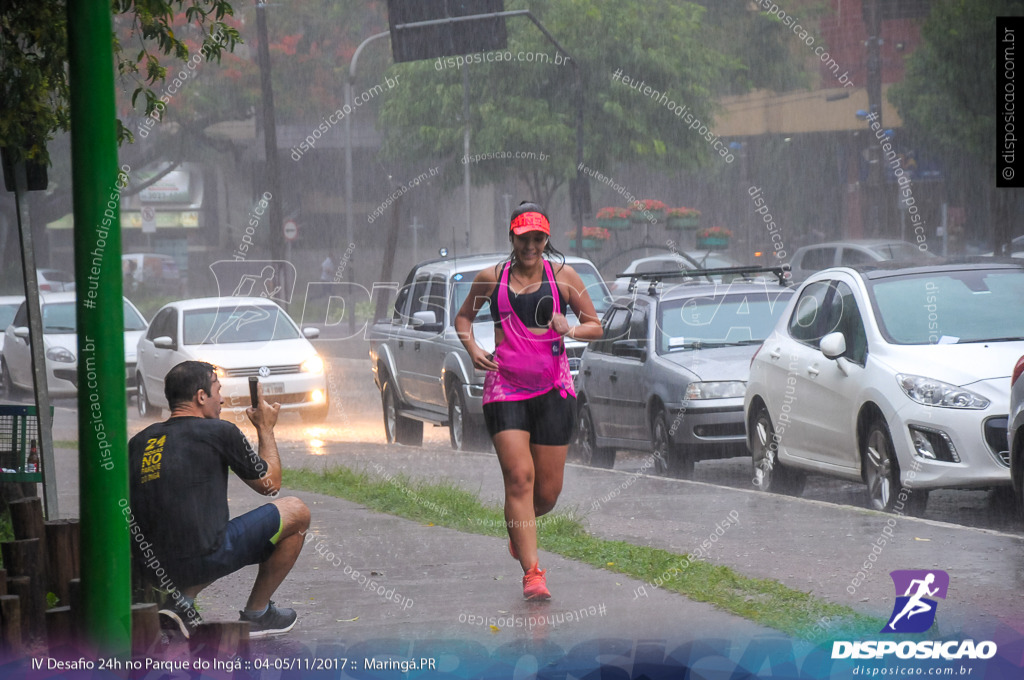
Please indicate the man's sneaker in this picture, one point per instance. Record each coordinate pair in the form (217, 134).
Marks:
(175, 615)
(274, 621)
(535, 586)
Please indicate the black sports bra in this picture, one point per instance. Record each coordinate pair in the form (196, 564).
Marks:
(533, 309)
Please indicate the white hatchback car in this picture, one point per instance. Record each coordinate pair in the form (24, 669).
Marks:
(892, 374)
(241, 337)
(60, 343)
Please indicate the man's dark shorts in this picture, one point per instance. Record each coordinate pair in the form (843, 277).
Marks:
(246, 541)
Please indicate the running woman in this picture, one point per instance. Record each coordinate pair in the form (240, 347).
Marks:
(529, 400)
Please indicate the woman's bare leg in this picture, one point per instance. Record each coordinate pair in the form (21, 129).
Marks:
(517, 468)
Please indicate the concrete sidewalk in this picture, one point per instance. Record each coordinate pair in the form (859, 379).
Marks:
(435, 578)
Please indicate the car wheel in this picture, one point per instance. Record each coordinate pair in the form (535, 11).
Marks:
(463, 432)
(668, 460)
(146, 409)
(399, 430)
(882, 474)
(769, 474)
(590, 454)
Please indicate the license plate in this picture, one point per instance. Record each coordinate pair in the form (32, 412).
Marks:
(273, 388)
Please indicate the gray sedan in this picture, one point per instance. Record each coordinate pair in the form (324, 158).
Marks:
(670, 374)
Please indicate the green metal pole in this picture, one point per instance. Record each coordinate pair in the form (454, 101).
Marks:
(102, 416)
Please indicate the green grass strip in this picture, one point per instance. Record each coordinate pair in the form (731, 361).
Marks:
(764, 601)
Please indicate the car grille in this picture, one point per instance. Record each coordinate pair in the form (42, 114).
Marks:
(129, 375)
(245, 401)
(995, 437)
(255, 370)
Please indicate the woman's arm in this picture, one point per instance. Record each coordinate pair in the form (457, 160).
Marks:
(479, 292)
(579, 300)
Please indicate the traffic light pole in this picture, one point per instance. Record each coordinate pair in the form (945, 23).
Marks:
(102, 417)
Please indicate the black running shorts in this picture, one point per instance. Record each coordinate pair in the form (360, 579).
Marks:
(550, 418)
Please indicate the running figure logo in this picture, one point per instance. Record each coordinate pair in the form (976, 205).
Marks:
(914, 612)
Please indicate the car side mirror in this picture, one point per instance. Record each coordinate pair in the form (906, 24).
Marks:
(833, 345)
(628, 348)
(21, 332)
(427, 322)
(163, 342)
(311, 333)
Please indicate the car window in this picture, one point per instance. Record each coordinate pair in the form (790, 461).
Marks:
(638, 325)
(665, 265)
(157, 328)
(419, 294)
(806, 322)
(7, 313)
(852, 256)
(402, 299)
(733, 318)
(844, 317)
(59, 317)
(950, 306)
(461, 285)
(57, 275)
(171, 326)
(816, 259)
(21, 318)
(901, 251)
(616, 327)
(133, 321)
(241, 323)
(438, 297)
(594, 284)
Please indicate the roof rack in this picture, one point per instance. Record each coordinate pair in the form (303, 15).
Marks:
(656, 277)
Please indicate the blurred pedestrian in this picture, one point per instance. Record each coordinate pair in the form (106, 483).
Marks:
(529, 400)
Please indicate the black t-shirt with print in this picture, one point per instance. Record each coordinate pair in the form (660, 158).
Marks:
(178, 476)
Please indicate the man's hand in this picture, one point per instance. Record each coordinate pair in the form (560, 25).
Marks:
(263, 418)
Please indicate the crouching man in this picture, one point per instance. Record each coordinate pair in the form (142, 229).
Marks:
(179, 497)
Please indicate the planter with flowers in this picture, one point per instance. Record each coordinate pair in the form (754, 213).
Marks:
(613, 218)
(713, 238)
(594, 238)
(647, 210)
(683, 218)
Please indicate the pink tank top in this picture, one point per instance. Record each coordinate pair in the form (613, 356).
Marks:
(529, 364)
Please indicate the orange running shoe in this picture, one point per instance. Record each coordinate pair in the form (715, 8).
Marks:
(512, 550)
(535, 585)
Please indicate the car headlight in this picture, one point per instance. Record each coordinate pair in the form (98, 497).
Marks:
(932, 392)
(715, 390)
(314, 364)
(60, 354)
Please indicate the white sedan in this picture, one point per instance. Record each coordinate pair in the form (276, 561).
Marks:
(60, 343)
(894, 374)
(241, 337)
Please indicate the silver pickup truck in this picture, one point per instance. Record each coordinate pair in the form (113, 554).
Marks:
(421, 368)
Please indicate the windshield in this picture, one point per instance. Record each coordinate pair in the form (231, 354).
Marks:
(244, 323)
(901, 251)
(59, 317)
(7, 313)
(57, 275)
(716, 320)
(951, 307)
(463, 281)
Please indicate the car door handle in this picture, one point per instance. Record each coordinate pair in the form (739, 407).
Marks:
(812, 370)
(401, 344)
(775, 353)
(586, 371)
(613, 377)
(416, 346)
